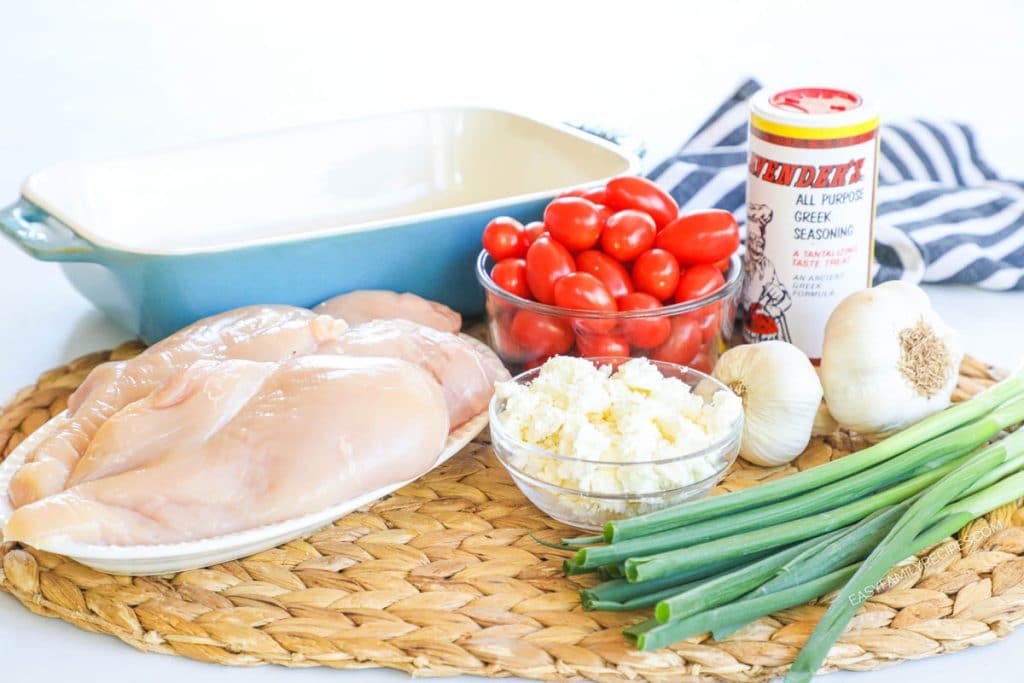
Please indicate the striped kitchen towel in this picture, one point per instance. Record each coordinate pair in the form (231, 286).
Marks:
(943, 215)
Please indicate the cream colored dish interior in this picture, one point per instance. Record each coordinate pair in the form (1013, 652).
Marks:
(336, 177)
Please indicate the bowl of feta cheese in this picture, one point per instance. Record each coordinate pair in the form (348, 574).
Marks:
(590, 440)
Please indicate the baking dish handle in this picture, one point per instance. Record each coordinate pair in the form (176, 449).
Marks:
(42, 236)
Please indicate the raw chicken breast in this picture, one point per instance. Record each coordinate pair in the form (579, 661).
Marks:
(316, 431)
(373, 304)
(466, 375)
(259, 333)
(205, 396)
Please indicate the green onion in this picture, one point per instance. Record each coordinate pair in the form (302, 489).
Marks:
(719, 590)
(852, 546)
(621, 590)
(639, 602)
(929, 428)
(958, 442)
(744, 611)
(654, 566)
(893, 549)
(952, 519)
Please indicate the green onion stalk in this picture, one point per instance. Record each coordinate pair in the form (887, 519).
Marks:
(722, 621)
(832, 551)
(893, 549)
(645, 568)
(924, 431)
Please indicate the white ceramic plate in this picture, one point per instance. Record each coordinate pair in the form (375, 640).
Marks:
(141, 560)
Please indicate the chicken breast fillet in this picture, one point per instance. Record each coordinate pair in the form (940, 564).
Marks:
(258, 333)
(365, 305)
(466, 375)
(302, 435)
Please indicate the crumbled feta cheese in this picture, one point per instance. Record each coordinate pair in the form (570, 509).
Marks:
(627, 421)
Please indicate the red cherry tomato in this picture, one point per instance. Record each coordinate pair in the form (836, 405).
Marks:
(633, 192)
(627, 234)
(574, 222)
(703, 361)
(683, 342)
(592, 345)
(543, 335)
(707, 319)
(504, 238)
(657, 273)
(574, 192)
(701, 237)
(510, 275)
(584, 292)
(597, 195)
(610, 272)
(604, 213)
(533, 231)
(546, 262)
(645, 333)
(722, 265)
(697, 282)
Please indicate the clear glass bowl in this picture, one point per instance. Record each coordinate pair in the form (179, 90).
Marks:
(522, 332)
(653, 485)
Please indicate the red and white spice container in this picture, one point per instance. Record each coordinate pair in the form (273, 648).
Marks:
(811, 181)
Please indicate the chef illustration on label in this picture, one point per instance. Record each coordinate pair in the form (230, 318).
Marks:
(766, 317)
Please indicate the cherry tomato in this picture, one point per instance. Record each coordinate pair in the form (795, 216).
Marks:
(633, 192)
(592, 345)
(697, 282)
(504, 238)
(722, 265)
(533, 231)
(574, 222)
(707, 319)
(645, 333)
(627, 234)
(584, 292)
(657, 273)
(510, 275)
(610, 272)
(546, 262)
(543, 335)
(701, 237)
(604, 213)
(683, 342)
(597, 195)
(574, 192)
(703, 361)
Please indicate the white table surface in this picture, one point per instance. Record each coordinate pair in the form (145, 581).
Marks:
(98, 79)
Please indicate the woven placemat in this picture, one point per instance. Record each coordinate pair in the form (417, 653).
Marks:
(443, 578)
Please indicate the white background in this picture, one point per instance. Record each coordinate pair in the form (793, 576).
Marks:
(86, 80)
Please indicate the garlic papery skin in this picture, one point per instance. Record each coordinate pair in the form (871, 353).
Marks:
(888, 359)
(781, 394)
(824, 423)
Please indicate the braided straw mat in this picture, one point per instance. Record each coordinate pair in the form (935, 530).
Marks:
(442, 578)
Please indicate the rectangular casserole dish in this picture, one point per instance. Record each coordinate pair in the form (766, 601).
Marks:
(395, 201)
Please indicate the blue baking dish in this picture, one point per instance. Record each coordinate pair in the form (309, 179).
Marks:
(394, 202)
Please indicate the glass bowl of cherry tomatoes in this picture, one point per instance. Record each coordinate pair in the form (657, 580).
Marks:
(613, 271)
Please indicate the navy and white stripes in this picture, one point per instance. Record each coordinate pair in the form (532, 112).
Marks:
(943, 214)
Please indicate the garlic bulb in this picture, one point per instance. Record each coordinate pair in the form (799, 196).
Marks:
(781, 395)
(888, 359)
